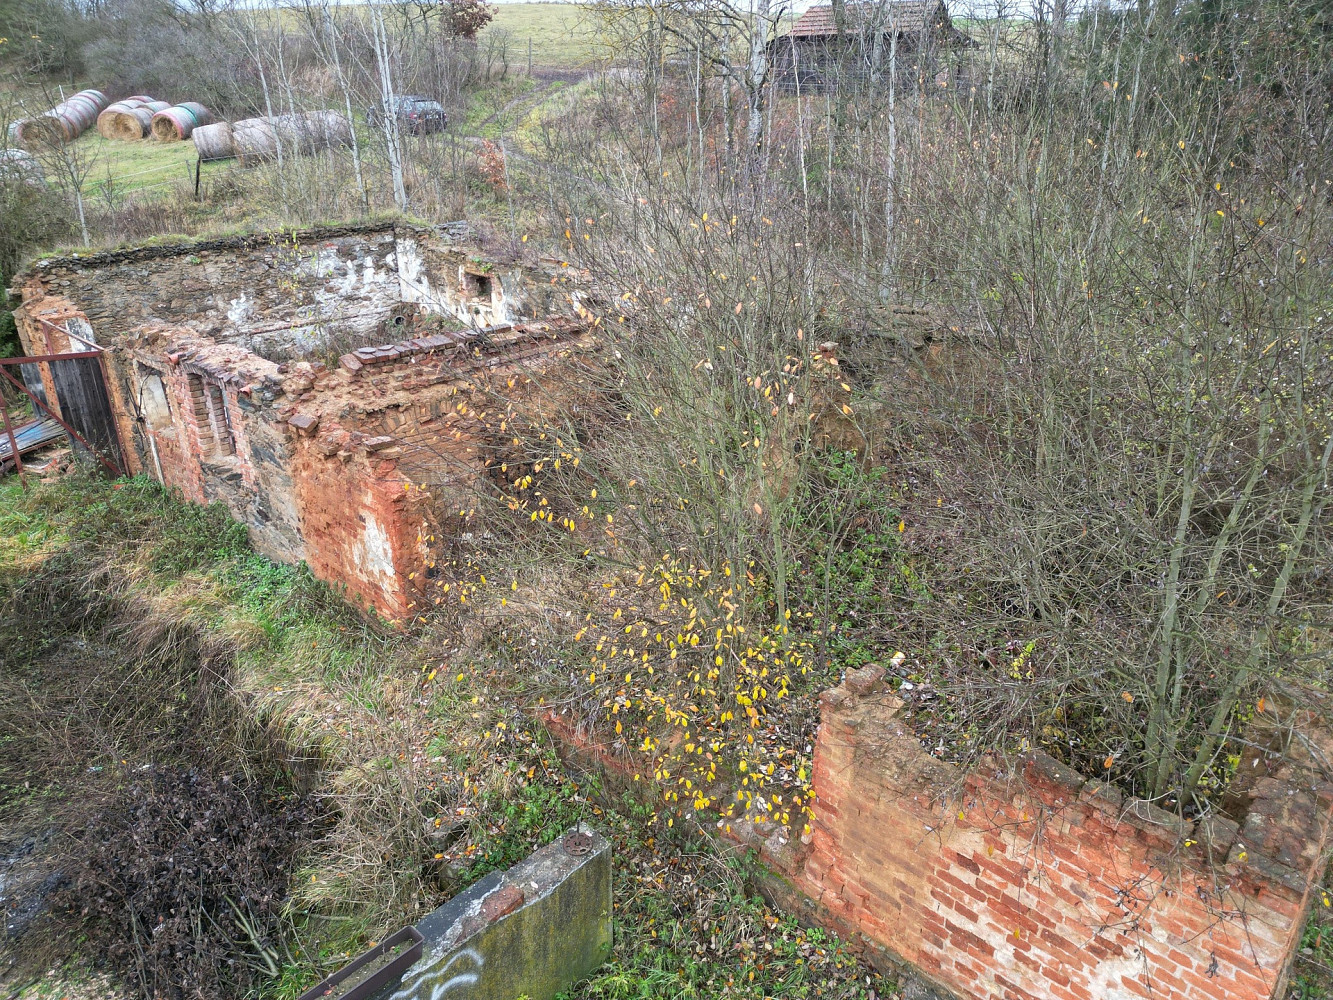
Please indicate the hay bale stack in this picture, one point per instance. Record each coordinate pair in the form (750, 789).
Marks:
(65, 122)
(256, 139)
(177, 123)
(129, 120)
(214, 142)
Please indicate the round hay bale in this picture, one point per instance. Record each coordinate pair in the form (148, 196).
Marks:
(202, 116)
(107, 118)
(131, 125)
(177, 123)
(328, 128)
(131, 121)
(214, 142)
(255, 140)
(65, 122)
(17, 165)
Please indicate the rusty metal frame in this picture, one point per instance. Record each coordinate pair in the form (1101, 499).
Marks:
(13, 443)
(4, 371)
(72, 336)
(41, 358)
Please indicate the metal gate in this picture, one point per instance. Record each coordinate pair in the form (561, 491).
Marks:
(82, 409)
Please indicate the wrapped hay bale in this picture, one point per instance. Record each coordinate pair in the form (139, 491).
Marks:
(256, 139)
(176, 123)
(214, 142)
(17, 165)
(129, 120)
(65, 122)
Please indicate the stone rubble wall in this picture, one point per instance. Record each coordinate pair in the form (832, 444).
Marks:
(344, 467)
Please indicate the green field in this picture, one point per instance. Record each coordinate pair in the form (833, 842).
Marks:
(564, 35)
(122, 168)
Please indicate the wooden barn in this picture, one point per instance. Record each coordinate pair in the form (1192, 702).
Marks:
(826, 47)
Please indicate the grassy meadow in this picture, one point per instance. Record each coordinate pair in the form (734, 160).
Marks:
(563, 35)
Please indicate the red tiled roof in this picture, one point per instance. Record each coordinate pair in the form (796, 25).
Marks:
(907, 15)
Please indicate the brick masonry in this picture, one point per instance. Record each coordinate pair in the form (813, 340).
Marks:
(226, 382)
(1027, 882)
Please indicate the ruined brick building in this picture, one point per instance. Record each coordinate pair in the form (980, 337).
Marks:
(310, 380)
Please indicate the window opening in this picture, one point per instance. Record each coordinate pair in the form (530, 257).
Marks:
(211, 416)
(477, 285)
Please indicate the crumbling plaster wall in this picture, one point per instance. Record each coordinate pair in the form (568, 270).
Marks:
(306, 455)
(285, 295)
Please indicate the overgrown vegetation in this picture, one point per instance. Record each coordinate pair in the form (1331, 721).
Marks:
(1081, 301)
(351, 779)
(1006, 365)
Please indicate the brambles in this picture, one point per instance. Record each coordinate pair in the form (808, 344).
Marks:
(181, 879)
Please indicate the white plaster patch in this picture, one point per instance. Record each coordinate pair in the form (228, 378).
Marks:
(239, 309)
(375, 554)
(413, 278)
(348, 284)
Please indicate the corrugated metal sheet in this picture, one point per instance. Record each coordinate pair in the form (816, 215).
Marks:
(31, 436)
(907, 15)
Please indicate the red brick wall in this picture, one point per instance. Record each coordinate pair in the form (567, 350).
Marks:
(359, 529)
(1032, 883)
(1038, 884)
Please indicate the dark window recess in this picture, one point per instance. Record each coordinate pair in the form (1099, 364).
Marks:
(478, 286)
(217, 411)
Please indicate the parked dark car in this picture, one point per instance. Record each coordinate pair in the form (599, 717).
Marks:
(416, 115)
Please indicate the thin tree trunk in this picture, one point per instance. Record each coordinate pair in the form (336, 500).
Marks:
(347, 101)
(891, 174)
(756, 79)
(390, 124)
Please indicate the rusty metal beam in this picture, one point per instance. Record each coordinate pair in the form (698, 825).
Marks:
(13, 444)
(40, 358)
(54, 416)
(65, 331)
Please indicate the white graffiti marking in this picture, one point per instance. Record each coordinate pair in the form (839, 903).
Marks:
(415, 990)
